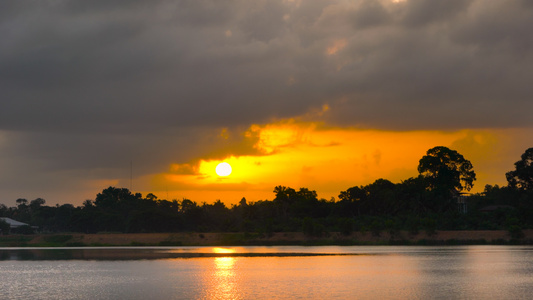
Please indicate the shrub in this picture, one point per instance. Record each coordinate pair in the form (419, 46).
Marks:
(57, 238)
(515, 231)
(375, 227)
(346, 226)
(24, 229)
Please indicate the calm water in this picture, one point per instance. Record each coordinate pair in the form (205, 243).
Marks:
(466, 272)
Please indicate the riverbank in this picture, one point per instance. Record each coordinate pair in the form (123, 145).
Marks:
(278, 238)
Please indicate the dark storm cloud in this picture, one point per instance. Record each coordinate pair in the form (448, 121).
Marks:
(170, 64)
(107, 65)
(116, 75)
(466, 68)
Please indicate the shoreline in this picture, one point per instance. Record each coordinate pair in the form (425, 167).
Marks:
(459, 237)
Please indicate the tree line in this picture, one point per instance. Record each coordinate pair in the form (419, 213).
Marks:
(433, 200)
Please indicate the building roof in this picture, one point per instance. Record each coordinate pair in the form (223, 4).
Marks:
(12, 223)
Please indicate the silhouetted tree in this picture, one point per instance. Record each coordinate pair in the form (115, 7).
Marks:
(192, 214)
(284, 198)
(37, 203)
(22, 213)
(304, 204)
(218, 216)
(419, 203)
(413, 195)
(151, 197)
(522, 177)
(3, 210)
(381, 198)
(350, 201)
(21, 202)
(446, 169)
(377, 198)
(63, 217)
(115, 198)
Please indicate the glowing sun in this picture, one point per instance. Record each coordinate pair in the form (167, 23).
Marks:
(223, 169)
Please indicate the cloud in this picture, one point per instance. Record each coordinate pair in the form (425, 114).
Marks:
(420, 13)
(101, 67)
(87, 87)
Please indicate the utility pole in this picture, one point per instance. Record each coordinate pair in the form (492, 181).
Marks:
(131, 176)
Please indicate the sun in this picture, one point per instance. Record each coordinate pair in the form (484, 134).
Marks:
(223, 169)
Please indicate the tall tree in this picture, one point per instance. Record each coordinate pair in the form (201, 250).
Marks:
(522, 177)
(37, 203)
(447, 170)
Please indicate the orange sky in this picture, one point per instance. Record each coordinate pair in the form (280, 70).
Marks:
(298, 154)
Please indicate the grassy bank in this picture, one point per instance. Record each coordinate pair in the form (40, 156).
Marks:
(279, 238)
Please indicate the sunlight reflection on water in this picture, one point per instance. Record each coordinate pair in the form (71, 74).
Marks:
(224, 280)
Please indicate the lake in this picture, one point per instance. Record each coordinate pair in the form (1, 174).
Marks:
(322, 272)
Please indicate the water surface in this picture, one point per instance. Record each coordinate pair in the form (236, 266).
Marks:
(339, 272)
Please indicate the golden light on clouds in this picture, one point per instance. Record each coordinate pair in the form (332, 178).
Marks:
(326, 159)
(336, 46)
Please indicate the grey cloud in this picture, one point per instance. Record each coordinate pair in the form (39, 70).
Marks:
(141, 67)
(422, 12)
(46, 164)
(370, 13)
(498, 28)
(59, 151)
(429, 76)
(105, 66)
(264, 21)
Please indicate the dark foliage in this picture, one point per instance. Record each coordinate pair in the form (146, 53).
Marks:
(419, 204)
(446, 170)
(522, 177)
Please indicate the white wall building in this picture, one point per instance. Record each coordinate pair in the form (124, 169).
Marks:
(12, 223)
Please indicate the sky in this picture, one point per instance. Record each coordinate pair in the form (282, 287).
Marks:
(322, 94)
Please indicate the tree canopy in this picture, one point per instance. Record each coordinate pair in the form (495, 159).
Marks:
(427, 201)
(522, 177)
(447, 169)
